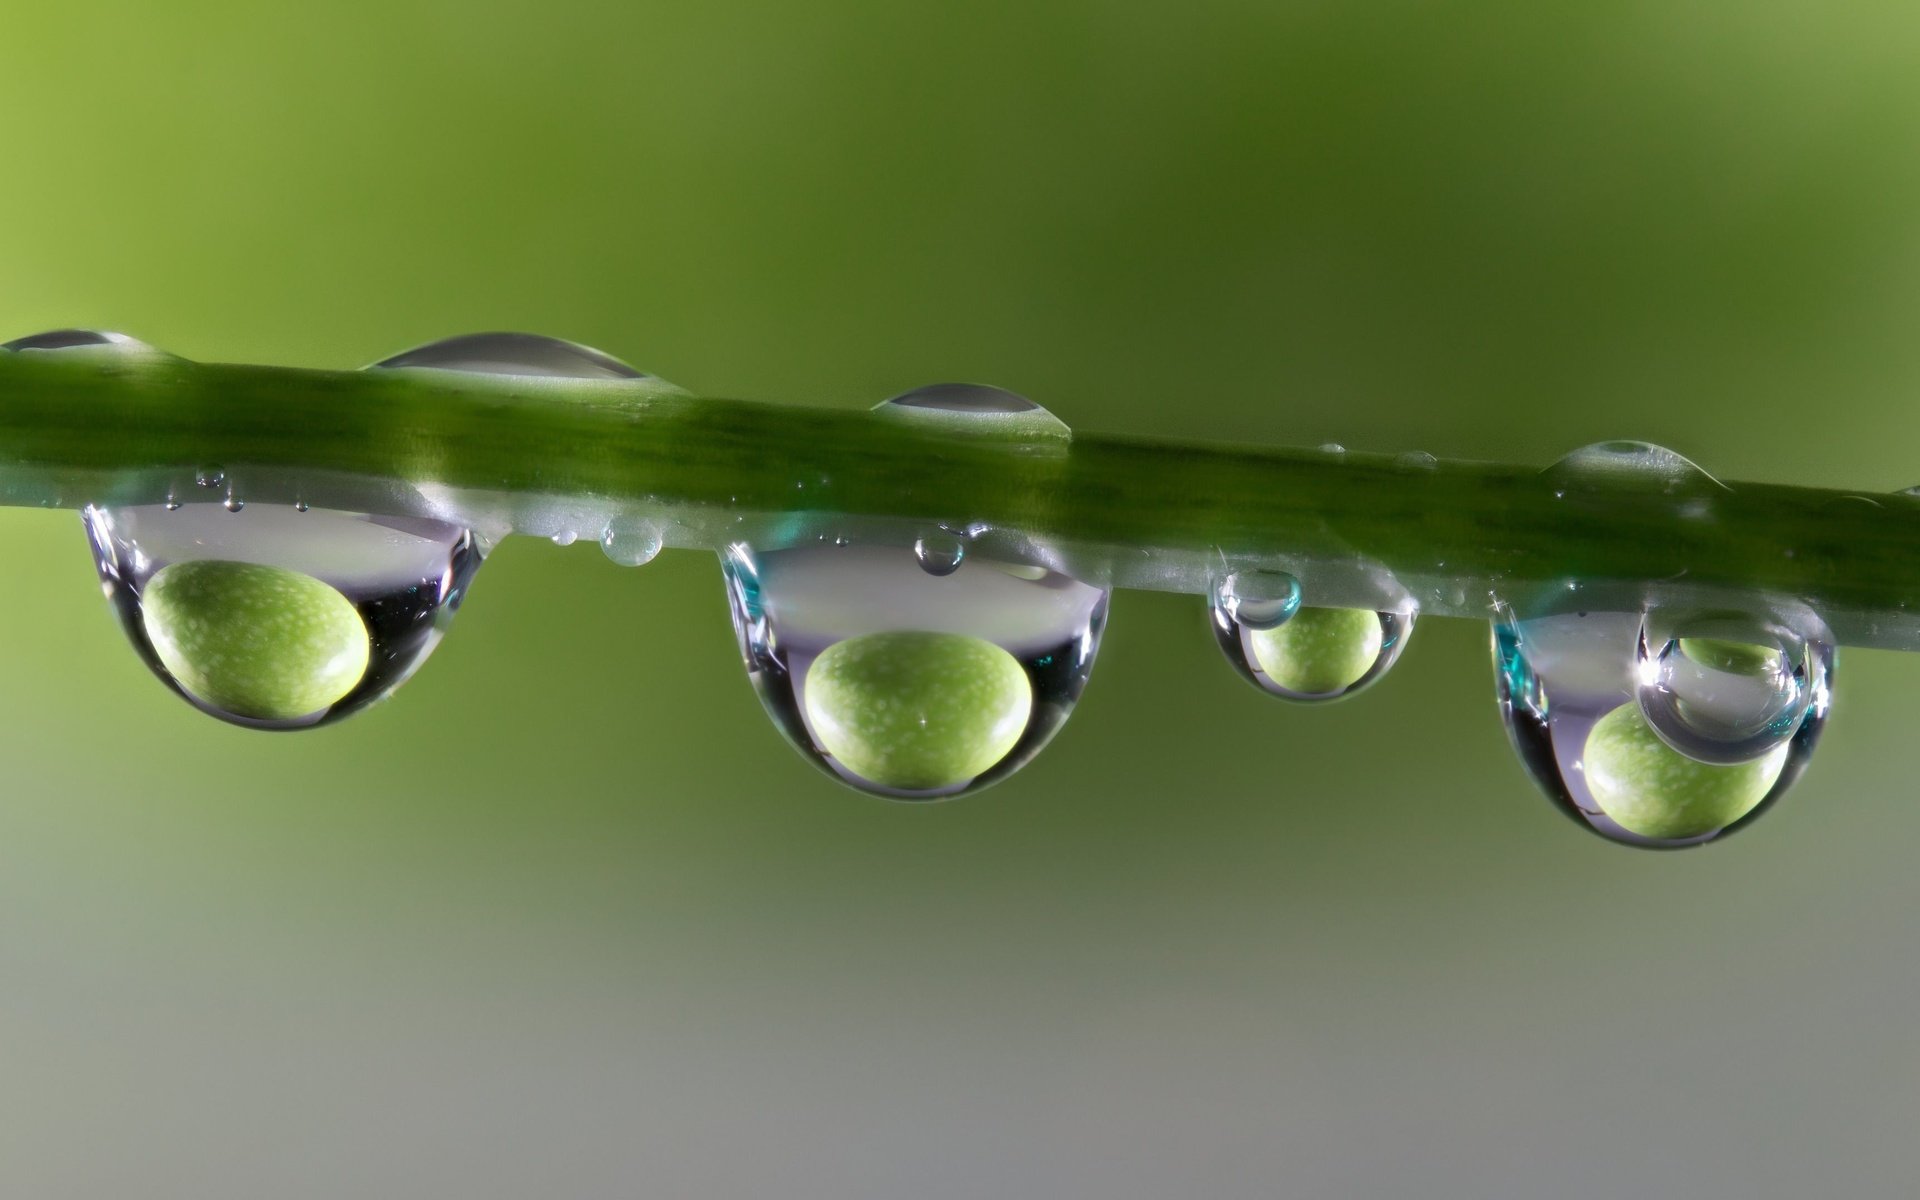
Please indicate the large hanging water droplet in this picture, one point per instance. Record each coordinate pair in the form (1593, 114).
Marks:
(1308, 654)
(521, 354)
(1724, 688)
(278, 619)
(908, 684)
(974, 408)
(1571, 692)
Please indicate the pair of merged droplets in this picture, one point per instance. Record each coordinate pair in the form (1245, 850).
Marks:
(1661, 731)
(1662, 726)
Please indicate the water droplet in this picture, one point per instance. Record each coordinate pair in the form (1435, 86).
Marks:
(233, 503)
(85, 341)
(300, 506)
(564, 537)
(1257, 599)
(939, 553)
(977, 408)
(1333, 450)
(1723, 687)
(1302, 653)
(210, 476)
(1622, 463)
(1416, 460)
(1570, 692)
(520, 354)
(906, 684)
(630, 541)
(273, 619)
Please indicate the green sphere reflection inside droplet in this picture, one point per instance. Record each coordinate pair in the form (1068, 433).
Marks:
(1734, 658)
(259, 642)
(917, 711)
(1653, 790)
(1319, 650)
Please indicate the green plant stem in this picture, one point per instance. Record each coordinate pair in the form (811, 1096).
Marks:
(549, 456)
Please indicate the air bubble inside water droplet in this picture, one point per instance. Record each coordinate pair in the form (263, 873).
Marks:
(275, 619)
(1257, 599)
(1614, 464)
(972, 408)
(939, 553)
(906, 684)
(528, 355)
(1568, 687)
(630, 541)
(1303, 653)
(1724, 688)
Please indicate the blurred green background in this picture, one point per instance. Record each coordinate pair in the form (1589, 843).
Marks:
(567, 918)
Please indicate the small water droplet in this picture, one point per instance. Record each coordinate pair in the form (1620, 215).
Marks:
(233, 503)
(631, 541)
(1573, 692)
(1614, 464)
(564, 537)
(972, 408)
(939, 553)
(1257, 599)
(210, 476)
(1333, 450)
(1416, 460)
(1302, 653)
(1725, 687)
(906, 684)
(300, 506)
(522, 354)
(84, 341)
(276, 620)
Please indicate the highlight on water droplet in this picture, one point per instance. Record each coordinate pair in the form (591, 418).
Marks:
(1305, 653)
(277, 619)
(904, 683)
(1660, 741)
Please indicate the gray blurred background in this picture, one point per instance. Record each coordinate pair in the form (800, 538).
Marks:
(567, 918)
